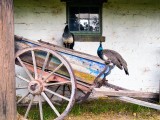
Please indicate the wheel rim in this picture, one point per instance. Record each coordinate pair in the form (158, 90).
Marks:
(39, 84)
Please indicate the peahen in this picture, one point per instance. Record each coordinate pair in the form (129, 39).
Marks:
(68, 38)
(111, 56)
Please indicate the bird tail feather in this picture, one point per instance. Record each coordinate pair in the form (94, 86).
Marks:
(126, 71)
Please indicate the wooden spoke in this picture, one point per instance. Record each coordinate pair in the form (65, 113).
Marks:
(23, 97)
(45, 63)
(55, 91)
(65, 98)
(22, 78)
(31, 66)
(29, 107)
(22, 87)
(58, 83)
(54, 102)
(57, 68)
(34, 64)
(40, 108)
(24, 67)
(50, 103)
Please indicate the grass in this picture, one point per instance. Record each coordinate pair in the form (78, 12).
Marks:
(97, 108)
(34, 112)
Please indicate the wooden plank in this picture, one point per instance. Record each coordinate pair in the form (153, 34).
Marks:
(85, 66)
(7, 65)
(126, 95)
(89, 38)
(61, 49)
(101, 92)
(139, 102)
(115, 87)
(83, 73)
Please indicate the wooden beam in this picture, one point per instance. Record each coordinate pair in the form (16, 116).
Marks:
(139, 102)
(125, 95)
(7, 66)
(102, 92)
(89, 38)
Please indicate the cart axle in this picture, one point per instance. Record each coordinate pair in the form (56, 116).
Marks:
(35, 87)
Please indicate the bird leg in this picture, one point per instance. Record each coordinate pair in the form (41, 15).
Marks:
(110, 67)
(107, 62)
(103, 82)
(69, 45)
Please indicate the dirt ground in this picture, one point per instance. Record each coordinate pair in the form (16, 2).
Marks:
(113, 117)
(107, 116)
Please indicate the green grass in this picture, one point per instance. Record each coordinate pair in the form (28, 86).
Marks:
(96, 107)
(107, 105)
(34, 112)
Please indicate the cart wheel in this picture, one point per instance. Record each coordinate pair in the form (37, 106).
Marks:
(40, 66)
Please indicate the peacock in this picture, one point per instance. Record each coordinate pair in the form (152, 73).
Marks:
(68, 38)
(112, 57)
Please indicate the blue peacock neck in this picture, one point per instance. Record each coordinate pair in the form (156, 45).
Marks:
(100, 51)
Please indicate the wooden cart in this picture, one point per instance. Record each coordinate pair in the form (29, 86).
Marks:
(54, 73)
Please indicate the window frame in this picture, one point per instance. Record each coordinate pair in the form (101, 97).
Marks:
(77, 4)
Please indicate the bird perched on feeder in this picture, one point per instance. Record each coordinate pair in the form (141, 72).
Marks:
(68, 38)
(111, 56)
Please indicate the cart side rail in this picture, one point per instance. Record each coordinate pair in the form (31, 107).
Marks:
(86, 67)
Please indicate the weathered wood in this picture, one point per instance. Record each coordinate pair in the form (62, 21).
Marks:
(115, 87)
(60, 49)
(7, 64)
(139, 102)
(85, 66)
(89, 38)
(125, 95)
(101, 92)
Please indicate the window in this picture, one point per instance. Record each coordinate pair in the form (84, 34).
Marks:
(84, 19)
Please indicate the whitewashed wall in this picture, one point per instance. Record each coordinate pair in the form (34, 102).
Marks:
(40, 19)
(131, 27)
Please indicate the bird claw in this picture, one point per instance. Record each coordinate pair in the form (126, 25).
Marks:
(107, 62)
